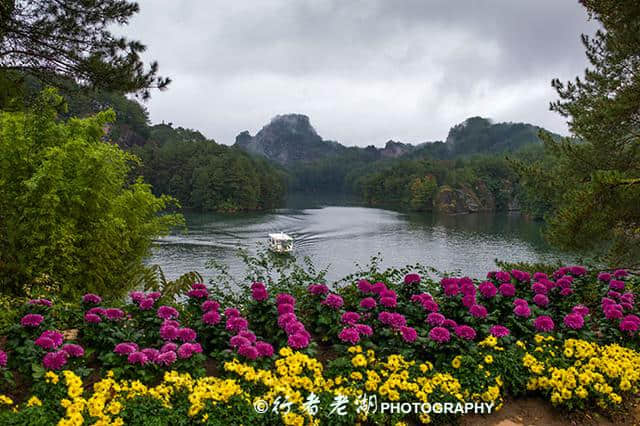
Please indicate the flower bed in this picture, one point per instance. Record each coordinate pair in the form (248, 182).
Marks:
(570, 337)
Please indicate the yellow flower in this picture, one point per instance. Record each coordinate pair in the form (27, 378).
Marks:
(359, 361)
(457, 361)
(355, 349)
(5, 400)
(51, 377)
(33, 401)
(488, 359)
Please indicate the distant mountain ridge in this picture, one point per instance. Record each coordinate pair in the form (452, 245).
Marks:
(290, 138)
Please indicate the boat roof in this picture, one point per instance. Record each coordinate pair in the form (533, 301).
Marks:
(280, 236)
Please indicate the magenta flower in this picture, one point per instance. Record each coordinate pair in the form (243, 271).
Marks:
(199, 286)
(264, 349)
(293, 327)
(137, 296)
(565, 292)
(155, 295)
(388, 302)
(187, 334)
(250, 352)
(285, 308)
(378, 287)
(211, 317)
(45, 342)
(259, 294)
(168, 332)
(318, 290)
(137, 358)
(96, 311)
(499, 331)
(543, 323)
(151, 353)
(578, 270)
(613, 312)
(350, 317)
(54, 360)
(91, 298)
(468, 300)
(521, 275)
(231, 312)
(168, 347)
(451, 289)
(630, 324)
(574, 321)
(541, 300)
(350, 335)
(3, 358)
(439, 334)
(146, 304)
(503, 277)
(604, 276)
(333, 301)
(125, 348)
(237, 341)
(92, 318)
(538, 276)
(449, 323)
(388, 293)
(364, 330)
(167, 312)
(113, 314)
(580, 310)
(522, 310)
(365, 286)
(435, 318)
(166, 358)
(478, 311)
(368, 303)
(298, 341)
(55, 336)
(430, 305)
(487, 289)
(186, 350)
(616, 285)
(409, 334)
(467, 288)
(209, 305)
(539, 288)
(248, 335)
(285, 298)
(198, 293)
(465, 332)
(31, 320)
(507, 290)
(410, 279)
(236, 324)
(619, 273)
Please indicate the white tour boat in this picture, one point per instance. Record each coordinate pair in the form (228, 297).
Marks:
(280, 243)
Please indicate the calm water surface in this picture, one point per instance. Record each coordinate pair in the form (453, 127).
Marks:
(338, 236)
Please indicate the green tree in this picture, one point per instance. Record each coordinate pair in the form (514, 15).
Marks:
(596, 173)
(422, 191)
(70, 211)
(74, 39)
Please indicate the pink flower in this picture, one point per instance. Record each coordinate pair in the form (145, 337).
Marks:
(137, 358)
(167, 312)
(250, 352)
(541, 300)
(538, 276)
(580, 310)
(166, 358)
(237, 341)
(613, 312)
(186, 350)
(410, 279)
(155, 295)
(630, 324)
(619, 273)
(364, 329)
(199, 286)
(478, 311)
(55, 336)
(3, 358)
(578, 270)
(55, 360)
(439, 334)
(285, 308)
(198, 293)
(259, 294)
(349, 334)
(293, 327)
(211, 317)
(430, 305)
(364, 286)
(231, 312)
(350, 317)
(368, 303)
(503, 276)
(520, 275)
(522, 310)
(467, 288)
(451, 289)
(378, 287)
(604, 276)
(31, 320)
(113, 314)
(487, 289)
(435, 318)
(248, 335)
(285, 298)
(45, 342)
(565, 292)
(409, 334)
(507, 290)
(209, 305)
(187, 334)
(389, 302)
(539, 288)
(468, 300)
(146, 304)
(298, 341)
(168, 332)
(499, 331)
(465, 332)
(334, 301)
(543, 323)
(574, 321)
(264, 349)
(151, 353)
(136, 296)
(616, 285)
(449, 323)
(91, 298)
(41, 302)
(168, 347)
(125, 348)
(92, 318)
(318, 290)
(96, 311)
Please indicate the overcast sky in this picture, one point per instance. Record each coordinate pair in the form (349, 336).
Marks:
(363, 71)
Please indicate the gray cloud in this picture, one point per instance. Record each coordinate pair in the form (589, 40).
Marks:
(365, 71)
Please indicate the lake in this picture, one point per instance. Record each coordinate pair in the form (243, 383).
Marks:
(339, 233)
